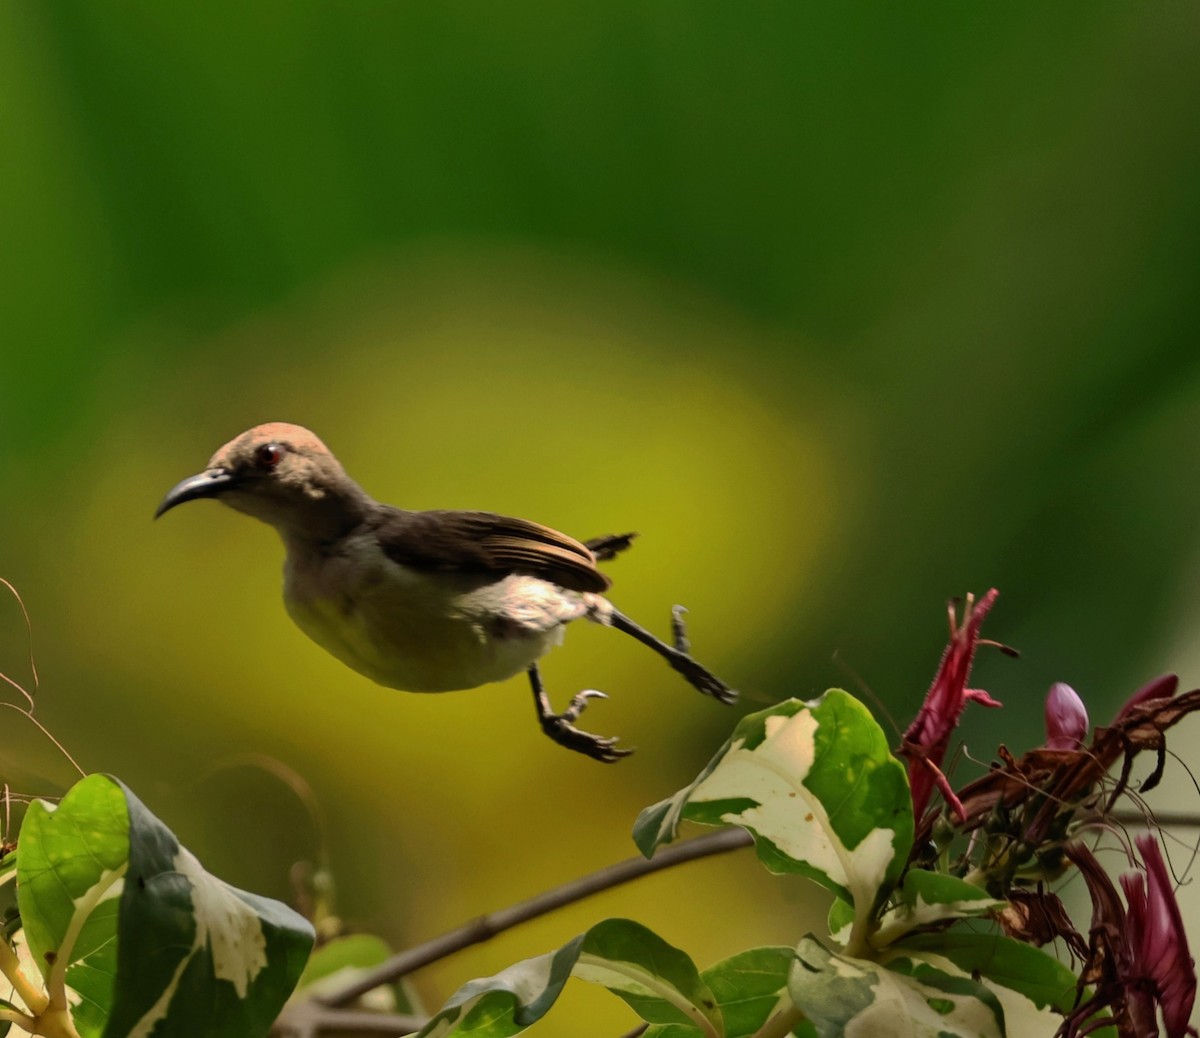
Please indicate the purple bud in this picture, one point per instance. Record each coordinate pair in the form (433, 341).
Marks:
(1066, 718)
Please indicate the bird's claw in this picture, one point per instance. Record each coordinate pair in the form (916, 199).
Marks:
(579, 704)
(560, 729)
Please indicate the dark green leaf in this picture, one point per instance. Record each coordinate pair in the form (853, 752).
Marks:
(659, 981)
(196, 956)
(1039, 977)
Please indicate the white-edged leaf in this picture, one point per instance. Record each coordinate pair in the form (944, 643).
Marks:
(932, 897)
(840, 995)
(1035, 976)
(659, 981)
(816, 785)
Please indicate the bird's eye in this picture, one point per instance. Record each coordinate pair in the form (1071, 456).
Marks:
(269, 455)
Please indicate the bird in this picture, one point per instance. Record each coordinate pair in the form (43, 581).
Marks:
(427, 601)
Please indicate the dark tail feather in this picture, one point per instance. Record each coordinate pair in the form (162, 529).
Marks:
(610, 545)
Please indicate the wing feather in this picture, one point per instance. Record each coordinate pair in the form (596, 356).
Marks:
(486, 542)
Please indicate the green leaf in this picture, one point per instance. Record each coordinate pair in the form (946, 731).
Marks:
(906, 999)
(749, 987)
(659, 981)
(1041, 978)
(343, 956)
(932, 897)
(840, 920)
(116, 910)
(816, 785)
(70, 879)
(342, 960)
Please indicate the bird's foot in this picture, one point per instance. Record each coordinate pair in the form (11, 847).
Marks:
(679, 636)
(702, 679)
(678, 653)
(682, 661)
(561, 729)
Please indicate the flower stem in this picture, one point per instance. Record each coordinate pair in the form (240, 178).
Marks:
(13, 1016)
(781, 1024)
(34, 999)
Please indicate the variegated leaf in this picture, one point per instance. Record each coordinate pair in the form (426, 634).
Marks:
(932, 897)
(1008, 964)
(816, 785)
(146, 941)
(906, 998)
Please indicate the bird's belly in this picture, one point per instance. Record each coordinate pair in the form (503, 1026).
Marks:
(428, 636)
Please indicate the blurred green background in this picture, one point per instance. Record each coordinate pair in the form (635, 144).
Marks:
(847, 309)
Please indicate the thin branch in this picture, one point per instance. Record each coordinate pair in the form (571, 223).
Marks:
(46, 732)
(308, 1019)
(487, 926)
(29, 638)
(1165, 819)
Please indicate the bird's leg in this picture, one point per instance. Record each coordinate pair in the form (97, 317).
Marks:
(677, 655)
(563, 732)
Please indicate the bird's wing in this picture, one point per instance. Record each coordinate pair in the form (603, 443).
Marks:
(485, 542)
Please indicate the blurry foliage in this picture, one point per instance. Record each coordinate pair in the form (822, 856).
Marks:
(846, 309)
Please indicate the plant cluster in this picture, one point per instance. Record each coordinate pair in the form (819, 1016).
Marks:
(944, 899)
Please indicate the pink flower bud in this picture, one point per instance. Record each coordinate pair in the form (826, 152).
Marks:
(1066, 718)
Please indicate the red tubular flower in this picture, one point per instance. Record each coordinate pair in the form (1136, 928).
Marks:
(1066, 718)
(927, 738)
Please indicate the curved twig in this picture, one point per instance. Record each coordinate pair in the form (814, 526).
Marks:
(485, 927)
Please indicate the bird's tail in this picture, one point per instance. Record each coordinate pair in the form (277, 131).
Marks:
(610, 545)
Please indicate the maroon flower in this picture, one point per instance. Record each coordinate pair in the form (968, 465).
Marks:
(1160, 688)
(1138, 961)
(1158, 943)
(1066, 718)
(927, 738)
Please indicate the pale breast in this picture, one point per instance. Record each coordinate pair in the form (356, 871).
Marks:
(424, 631)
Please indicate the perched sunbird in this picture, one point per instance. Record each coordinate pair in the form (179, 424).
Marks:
(425, 601)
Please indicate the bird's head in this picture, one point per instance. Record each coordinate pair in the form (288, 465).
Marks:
(279, 473)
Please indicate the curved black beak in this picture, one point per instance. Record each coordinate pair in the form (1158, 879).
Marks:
(209, 483)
